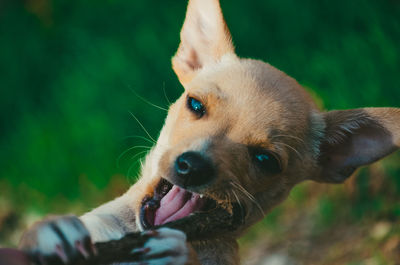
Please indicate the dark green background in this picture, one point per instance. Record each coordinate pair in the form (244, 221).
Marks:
(71, 71)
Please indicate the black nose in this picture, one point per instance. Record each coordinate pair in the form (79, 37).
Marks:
(193, 169)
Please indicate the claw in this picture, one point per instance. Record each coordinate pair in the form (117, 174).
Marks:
(81, 249)
(94, 249)
(150, 233)
(61, 253)
(140, 251)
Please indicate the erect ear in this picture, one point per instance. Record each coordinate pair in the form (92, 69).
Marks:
(205, 38)
(354, 138)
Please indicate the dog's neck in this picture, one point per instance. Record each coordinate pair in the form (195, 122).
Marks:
(220, 251)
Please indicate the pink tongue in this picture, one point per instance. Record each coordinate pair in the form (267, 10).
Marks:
(178, 203)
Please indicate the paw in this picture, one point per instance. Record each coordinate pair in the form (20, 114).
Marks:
(58, 240)
(165, 247)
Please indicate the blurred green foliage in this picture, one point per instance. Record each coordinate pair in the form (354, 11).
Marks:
(71, 72)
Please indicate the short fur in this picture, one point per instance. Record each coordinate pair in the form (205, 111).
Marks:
(249, 103)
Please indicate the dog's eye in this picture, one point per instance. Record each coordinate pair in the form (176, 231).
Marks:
(196, 107)
(268, 162)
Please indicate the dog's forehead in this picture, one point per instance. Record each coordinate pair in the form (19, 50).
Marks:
(256, 96)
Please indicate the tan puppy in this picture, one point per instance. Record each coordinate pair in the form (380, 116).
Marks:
(242, 134)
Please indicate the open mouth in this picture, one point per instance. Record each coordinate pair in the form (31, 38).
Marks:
(171, 203)
(200, 217)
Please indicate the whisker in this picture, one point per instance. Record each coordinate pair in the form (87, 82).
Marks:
(139, 137)
(291, 147)
(147, 101)
(138, 154)
(288, 136)
(166, 96)
(248, 195)
(141, 125)
(238, 201)
(131, 168)
(128, 150)
(132, 148)
(128, 174)
(141, 164)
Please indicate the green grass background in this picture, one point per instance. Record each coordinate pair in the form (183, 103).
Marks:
(70, 73)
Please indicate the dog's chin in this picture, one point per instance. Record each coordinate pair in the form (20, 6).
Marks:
(199, 216)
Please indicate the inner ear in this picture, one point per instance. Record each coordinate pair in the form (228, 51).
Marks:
(352, 139)
(205, 38)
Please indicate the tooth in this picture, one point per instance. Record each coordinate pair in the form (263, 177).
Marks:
(201, 195)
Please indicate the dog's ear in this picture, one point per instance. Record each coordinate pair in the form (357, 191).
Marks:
(354, 138)
(205, 38)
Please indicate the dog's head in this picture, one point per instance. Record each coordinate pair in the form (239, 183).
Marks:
(244, 133)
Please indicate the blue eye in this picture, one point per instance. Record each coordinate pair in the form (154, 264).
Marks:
(263, 158)
(267, 161)
(196, 107)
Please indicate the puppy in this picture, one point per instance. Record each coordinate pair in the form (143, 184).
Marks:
(238, 139)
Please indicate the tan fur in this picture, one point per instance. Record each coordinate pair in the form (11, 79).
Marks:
(248, 103)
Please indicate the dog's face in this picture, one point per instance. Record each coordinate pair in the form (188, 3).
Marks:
(238, 129)
(244, 133)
